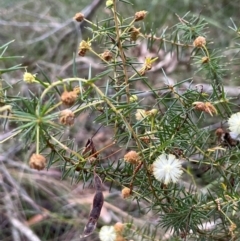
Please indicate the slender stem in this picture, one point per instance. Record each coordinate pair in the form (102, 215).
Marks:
(55, 106)
(206, 50)
(119, 44)
(99, 56)
(68, 149)
(88, 105)
(37, 139)
(60, 82)
(168, 41)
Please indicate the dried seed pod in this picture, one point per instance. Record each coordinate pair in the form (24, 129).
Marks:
(98, 182)
(94, 214)
(89, 149)
(96, 207)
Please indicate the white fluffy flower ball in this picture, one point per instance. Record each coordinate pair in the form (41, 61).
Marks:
(107, 233)
(234, 123)
(167, 168)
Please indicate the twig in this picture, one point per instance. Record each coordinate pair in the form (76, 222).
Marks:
(22, 228)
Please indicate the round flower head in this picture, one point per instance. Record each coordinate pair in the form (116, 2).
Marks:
(107, 233)
(79, 17)
(28, 77)
(67, 117)
(140, 15)
(119, 227)
(69, 97)
(37, 162)
(126, 192)
(167, 168)
(199, 42)
(234, 123)
(132, 157)
(140, 114)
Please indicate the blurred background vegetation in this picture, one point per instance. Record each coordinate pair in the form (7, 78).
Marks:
(47, 38)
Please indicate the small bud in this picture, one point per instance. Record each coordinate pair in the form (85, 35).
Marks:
(69, 97)
(199, 42)
(133, 98)
(28, 77)
(132, 157)
(147, 65)
(66, 117)
(134, 33)
(140, 15)
(77, 90)
(126, 192)
(83, 48)
(140, 114)
(79, 17)
(205, 60)
(152, 112)
(109, 3)
(106, 55)
(232, 227)
(147, 138)
(37, 162)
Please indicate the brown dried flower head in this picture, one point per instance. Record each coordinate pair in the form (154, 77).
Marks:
(79, 17)
(120, 238)
(205, 106)
(199, 42)
(66, 117)
(69, 97)
(210, 109)
(83, 48)
(132, 157)
(106, 55)
(126, 192)
(232, 227)
(148, 137)
(134, 33)
(119, 227)
(219, 132)
(37, 162)
(140, 15)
